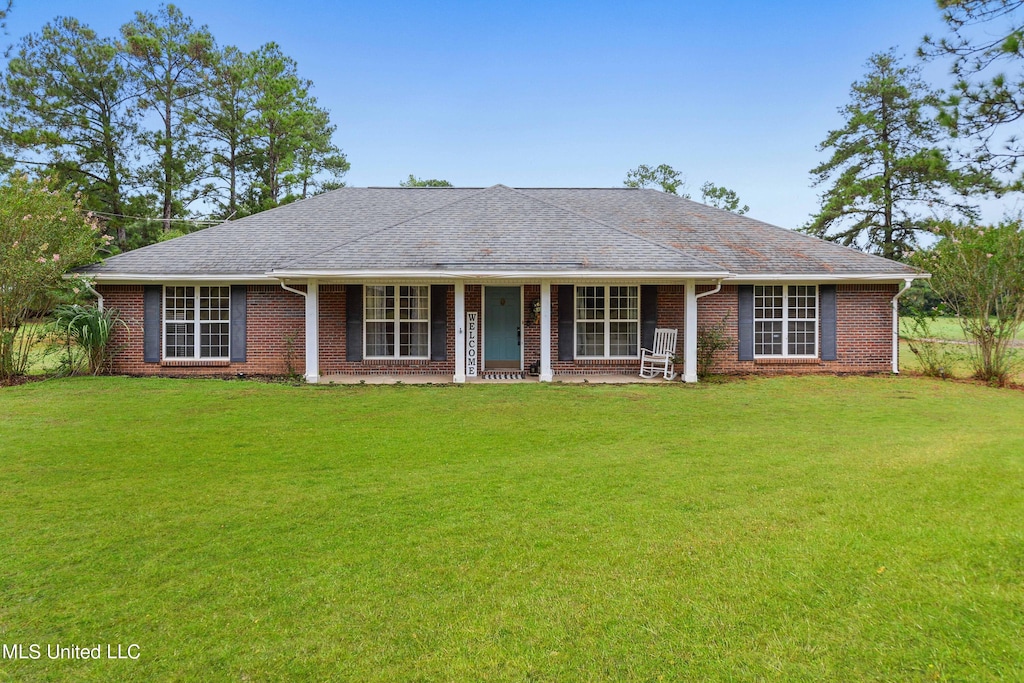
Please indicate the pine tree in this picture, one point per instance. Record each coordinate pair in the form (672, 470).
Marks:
(223, 121)
(65, 109)
(986, 48)
(290, 135)
(170, 59)
(888, 178)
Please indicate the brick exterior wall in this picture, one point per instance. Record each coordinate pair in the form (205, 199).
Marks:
(275, 335)
(671, 313)
(863, 333)
(333, 343)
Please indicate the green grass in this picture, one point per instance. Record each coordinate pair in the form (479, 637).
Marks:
(815, 528)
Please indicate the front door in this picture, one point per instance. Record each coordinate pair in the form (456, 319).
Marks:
(503, 328)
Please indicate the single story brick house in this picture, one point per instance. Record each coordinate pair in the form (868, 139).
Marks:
(468, 282)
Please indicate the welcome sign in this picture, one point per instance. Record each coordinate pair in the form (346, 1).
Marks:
(472, 354)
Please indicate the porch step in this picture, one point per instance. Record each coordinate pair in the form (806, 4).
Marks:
(502, 375)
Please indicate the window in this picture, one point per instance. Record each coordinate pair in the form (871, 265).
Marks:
(405, 335)
(785, 320)
(210, 309)
(607, 322)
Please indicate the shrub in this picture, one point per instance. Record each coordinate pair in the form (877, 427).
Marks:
(87, 329)
(711, 338)
(933, 354)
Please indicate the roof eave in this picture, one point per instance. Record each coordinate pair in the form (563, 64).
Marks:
(141, 278)
(825, 277)
(446, 274)
(450, 274)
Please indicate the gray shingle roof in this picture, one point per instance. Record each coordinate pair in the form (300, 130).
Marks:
(502, 229)
(497, 229)
(742, 245)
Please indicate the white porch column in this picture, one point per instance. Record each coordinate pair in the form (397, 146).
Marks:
(460, 332)
(690, 333)
(312, 332)
(545, 332)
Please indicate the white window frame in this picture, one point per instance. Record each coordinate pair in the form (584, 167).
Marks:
(786, 320)
(396, 322)
(606, 320)
(196, 321)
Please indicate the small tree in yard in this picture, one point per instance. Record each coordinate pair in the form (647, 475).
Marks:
(43, 233)
(979, 273)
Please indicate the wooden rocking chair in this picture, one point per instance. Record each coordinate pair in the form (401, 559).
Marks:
(659, 359)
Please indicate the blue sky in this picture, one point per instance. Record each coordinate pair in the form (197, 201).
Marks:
(568, 93)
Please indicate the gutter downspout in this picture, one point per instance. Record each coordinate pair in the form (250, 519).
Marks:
(690, 329)
(312, 306)
(294, 291)
(907, 282)
(716, 290)
(99, 297)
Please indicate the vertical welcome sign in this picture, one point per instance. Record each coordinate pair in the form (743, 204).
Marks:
(472, 354)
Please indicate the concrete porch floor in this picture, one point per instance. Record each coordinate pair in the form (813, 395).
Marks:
(447, 379)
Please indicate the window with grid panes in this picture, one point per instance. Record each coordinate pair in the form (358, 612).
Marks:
(397, 321)
(785, 320)
(189, 306)
(607, 321)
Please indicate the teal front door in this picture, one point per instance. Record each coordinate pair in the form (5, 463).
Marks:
(503, 328)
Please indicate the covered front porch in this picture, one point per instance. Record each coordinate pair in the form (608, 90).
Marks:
(497, 329)
(486, 379)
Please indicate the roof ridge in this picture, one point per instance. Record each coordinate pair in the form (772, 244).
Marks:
(386, 227)
(616, 228)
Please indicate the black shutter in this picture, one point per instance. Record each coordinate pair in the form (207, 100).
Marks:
(354, 323)
(745, 324)
(151, 304)
(648, 315)
(439, 322)
(238, 323)
(827, 304)
(566, 310)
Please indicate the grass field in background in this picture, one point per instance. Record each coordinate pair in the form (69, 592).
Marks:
(957, 353)
(942, 327)
(814, 528)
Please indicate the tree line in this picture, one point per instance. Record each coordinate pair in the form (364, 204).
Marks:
(161, 122)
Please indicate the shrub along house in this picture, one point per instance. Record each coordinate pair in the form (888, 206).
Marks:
(468, 282)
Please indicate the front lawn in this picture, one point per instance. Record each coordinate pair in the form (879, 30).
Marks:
(814, 528)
